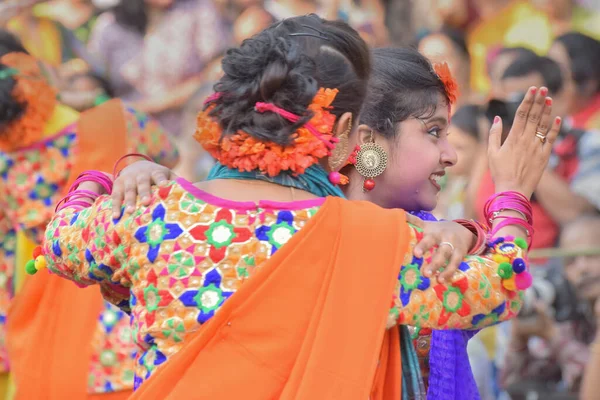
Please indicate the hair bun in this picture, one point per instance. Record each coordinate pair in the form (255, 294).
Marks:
(273, 78)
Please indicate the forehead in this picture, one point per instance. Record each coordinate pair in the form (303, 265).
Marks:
(435, 46)
(520, 84)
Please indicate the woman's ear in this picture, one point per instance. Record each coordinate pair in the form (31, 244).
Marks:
(341, 152)
(365, 134)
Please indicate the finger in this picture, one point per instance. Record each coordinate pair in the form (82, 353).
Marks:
(161, 177)
(495, 141)
(546, 119)
(130, 195)
(455, 260)
(117, 198)
(523, 111)
(424, 245)
(416, 221)
(552, 135)
(535, 113)
(439, 260)
(143, 188)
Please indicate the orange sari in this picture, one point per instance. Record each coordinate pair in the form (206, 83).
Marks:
(51, 321)
(293, 331)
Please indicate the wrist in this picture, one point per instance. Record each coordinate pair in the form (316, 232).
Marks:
(510, 187)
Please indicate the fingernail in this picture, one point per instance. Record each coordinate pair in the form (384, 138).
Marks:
(496, 119)
(557, 120)
(146, 198)
(533, 90)
(549, 101)
(543, 91)
(441, 280)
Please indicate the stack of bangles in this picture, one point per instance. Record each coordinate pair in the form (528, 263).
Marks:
(512, 267)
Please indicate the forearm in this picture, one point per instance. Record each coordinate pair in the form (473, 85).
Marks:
(590, 386)
(555, 195)
(474, 298)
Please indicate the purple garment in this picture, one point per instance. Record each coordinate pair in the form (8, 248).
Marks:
(450, 374)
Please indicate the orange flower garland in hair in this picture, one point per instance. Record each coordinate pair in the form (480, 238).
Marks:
(243, 152)
(443, 72)
(38, 98)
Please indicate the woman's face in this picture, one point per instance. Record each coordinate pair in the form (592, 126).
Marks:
(466, 147)
(418, 158)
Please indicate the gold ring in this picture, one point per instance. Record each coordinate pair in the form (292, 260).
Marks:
(541, 136)
(447, 244)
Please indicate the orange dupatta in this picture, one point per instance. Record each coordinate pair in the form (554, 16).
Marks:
(51, 321)
(311, 324)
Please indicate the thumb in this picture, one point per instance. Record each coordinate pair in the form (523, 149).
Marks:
(495, 140)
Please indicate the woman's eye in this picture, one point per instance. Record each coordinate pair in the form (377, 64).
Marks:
(435, 132)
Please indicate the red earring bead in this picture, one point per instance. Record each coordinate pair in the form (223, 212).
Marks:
(369, 185)
(335, 178)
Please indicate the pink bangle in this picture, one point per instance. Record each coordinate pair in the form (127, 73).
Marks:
(504, 201)
(506, 221)
(116, 174)
(479, 231)
(93, 176)
(73, 199)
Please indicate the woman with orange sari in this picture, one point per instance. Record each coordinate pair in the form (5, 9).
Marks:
(216, 276)
(42, 144)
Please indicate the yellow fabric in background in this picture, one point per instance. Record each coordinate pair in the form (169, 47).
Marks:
(42, 39)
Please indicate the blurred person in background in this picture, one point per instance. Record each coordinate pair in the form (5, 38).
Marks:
(568, 15)
(80, 88)
(569, 187)
(579, 57)
(44, 37)
(78, 16)
(449, 45)
(548, 356)
(155, 51)
(497, 63)
(43, 145)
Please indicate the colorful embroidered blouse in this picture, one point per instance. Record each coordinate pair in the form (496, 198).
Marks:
(32, 181)
(174, 263)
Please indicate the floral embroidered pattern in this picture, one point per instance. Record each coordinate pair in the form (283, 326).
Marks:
(32, 181)
(179, 268)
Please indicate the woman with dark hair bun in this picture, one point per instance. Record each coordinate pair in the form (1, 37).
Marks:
(265, 267)
(579, 57)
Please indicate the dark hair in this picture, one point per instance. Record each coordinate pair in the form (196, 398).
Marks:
(457, 38)
(532, 63)
(402, 85)
(516, 51)
(584, 54)
(467, 118)
(10, 109)
(9, 43)
(132, 15)
(285, 65)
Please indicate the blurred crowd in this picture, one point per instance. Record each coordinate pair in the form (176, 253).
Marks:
(163, 57)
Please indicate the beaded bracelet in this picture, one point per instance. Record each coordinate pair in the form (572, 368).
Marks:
(116, 174)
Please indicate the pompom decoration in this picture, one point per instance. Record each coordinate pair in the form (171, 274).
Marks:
(519, 265)
(335, 178)
(37, 263)
(523, 280)
(522, 243)
(30, 267)
(505, 270)
(443, 72)
(38, 97)
(243, 152)
(510, 284)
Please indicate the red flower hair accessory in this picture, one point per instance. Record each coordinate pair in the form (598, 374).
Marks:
(243, 152)
(38, 97)
(443, 72)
